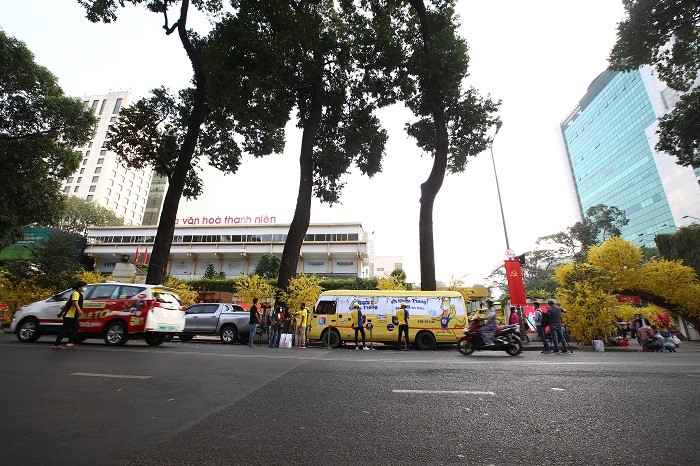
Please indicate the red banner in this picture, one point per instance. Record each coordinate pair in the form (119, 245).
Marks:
(515, 283)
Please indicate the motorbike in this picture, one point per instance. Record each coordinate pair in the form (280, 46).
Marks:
(507, 338)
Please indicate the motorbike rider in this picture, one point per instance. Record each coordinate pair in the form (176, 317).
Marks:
(488, 330)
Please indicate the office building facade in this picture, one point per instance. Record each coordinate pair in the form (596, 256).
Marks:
(102, 178)
(332, 249)
(608, 145)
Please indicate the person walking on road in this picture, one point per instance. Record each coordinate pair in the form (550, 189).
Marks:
(300, 320)
(71, 313)
(402, 318)
(540, 327)
(254, 321)
(556, 327)
(358, 321)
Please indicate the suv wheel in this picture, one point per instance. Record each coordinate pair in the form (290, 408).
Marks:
(115, 334)
(28, 330)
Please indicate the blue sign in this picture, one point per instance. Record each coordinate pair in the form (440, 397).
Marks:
(369, 326)
(390, 327)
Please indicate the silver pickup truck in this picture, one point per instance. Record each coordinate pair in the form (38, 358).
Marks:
(229, 321)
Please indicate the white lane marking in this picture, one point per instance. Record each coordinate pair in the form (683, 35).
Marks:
(439, 392)
(114, 376)
(558, 389)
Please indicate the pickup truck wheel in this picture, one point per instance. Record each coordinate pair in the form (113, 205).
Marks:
(185, 338)
(229, 334)
(154, 339)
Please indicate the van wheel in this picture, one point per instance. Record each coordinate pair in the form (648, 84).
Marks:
(424, 341)
(154, 339)
(334, 336)
(229, 334)
(185, 338)
(115, 334)
(28, 330)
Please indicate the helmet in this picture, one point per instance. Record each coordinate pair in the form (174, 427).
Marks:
(403, 304)
(355, 305)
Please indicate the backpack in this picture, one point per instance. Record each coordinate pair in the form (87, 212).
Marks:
(65, 308)
(544, 321)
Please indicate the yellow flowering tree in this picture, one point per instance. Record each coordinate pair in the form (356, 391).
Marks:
(187, 295)
(254, 286)
(301, 289)
(16, 293)
(390, 283)
(587, 290)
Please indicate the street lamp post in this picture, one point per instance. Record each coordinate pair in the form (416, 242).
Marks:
(498, 188)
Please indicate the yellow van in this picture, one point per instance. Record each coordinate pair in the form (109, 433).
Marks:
(434, 316)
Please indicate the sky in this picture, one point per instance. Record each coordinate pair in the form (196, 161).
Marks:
(537, 57)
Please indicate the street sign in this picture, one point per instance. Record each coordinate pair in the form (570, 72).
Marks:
(510, 254)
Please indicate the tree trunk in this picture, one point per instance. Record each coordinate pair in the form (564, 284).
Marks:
(432, 185)
(166, 227)
(302, 212)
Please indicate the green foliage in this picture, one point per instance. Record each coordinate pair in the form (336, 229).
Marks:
(210, 273)
(679, 130)
(683, 245)
(79, 214)
(39, 127)
(399, 274)
(54, 265)
(644, 38)
(268, 266)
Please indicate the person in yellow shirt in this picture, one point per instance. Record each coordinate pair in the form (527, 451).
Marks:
(71, 313)
(300, 321)
(402, 318)
(358, 320)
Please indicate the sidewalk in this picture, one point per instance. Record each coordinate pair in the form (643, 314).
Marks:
(686, 346)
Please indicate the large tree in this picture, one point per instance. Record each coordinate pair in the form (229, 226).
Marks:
(665, 34)
(79, 214)
(301, 58)
(452, 121)
(39, 127)
(192, 110)
(682, 245)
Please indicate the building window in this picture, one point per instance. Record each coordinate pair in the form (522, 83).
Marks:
(92, 188)
(103, 152)
(94, 104)
(106, 201)
(114, 173)
(87, 154)
(75, 190)
(102, 107)
(109, 192)
(89, 198)
(80, 179)
(113, 119)
(66, 189)
(70, 179)
(90, 145)
(100, 161)
(98, 169)
(117, 105)
(95, 179)
(84, 161)
(85, 104)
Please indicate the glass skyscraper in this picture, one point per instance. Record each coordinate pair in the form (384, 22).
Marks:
(609, 140)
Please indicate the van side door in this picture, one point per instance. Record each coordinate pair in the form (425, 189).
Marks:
(323, 316)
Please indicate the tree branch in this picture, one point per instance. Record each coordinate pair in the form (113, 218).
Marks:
(168, 30)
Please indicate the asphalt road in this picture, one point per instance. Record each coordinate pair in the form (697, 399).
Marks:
(206, 403)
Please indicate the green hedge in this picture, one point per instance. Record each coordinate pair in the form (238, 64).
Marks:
(227, 284)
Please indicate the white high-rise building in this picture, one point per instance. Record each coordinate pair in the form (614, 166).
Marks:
(101, 177)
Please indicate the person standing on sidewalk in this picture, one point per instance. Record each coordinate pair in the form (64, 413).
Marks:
(300, 320)
(556, 326)
(402, 319)
(358, 321)
(274, 329)
(540, 328)
(72, 312)
(254, 321)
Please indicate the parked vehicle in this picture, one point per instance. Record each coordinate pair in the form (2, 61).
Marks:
(229, 321)
(506, 339)
(113, 311)
(434, 316)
